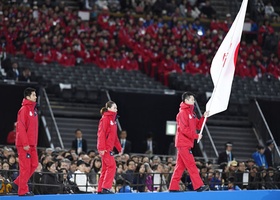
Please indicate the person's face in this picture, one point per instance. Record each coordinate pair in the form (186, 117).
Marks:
(190, 100)
(229, 148)
(86, 159)
(82, 167)
(87, 169)
(73, 167)
(65, 165)
(6, 166)
(123, 135)
(64, 174)
(159, 168)
(142, 169)
(242, 167)
(52, 168)
(97, 164)
(146, 160)
(12, 160)
(113, 108)
(79, 134)
(32, 97)
(262, 151)
(131, 165)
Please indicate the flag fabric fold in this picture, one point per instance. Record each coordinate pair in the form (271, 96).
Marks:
(223, 64)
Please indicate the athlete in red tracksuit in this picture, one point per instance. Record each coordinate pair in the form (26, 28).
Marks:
(187, 124)
(26, 141)
(107, 139)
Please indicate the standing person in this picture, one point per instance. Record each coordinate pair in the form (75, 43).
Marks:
(79, 144)
(269, 153)
(226, 156)
(126, 144)
(106, 141)
(259, 157)
(26, 141)
(187, 124)
(149, 144)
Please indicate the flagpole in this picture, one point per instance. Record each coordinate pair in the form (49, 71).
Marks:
(226, 57)
(202, 127)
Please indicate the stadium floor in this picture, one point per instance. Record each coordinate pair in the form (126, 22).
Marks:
(210, 195)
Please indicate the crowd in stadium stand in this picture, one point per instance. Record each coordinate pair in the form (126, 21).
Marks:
(164, 40)
(63, 171)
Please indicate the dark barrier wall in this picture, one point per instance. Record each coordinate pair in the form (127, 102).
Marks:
(11, 98)
(142, 113)
(271, 110)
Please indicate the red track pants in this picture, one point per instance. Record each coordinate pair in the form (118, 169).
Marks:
(107, 172)
(28, 162)
(185, 160)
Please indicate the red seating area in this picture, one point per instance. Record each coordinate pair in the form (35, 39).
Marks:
(152, 44)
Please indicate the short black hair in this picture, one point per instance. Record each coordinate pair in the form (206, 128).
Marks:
(77, 130)
(28, 91)
(187, 95)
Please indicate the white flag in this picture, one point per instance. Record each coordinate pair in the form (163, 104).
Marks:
(223, 65)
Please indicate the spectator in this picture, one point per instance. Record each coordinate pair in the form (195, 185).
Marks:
(269, 11)
(11, 138)
(36, 178)
(159, 180)
(227, 155)
(50, 180)
(216, 181)
(122, 186)
(27, 76)
(43, 56)
(172, 149)
(14, 167)
(270, 179)
(14, 73)
(241, 176)
(95, 171)
(207, 10)
(255, 180)
(269, 153)
(140, 179)
(149, 145)
(81, 180)
(231, 184)
(126, 144)
(250, 163)
(259, 157)
(67, 185)
(129, 173)
(79, 144)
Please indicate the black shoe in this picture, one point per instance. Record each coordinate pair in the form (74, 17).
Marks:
(106, 191)
(27, 194)
(14, 188)
(174, 191)
(203, 188)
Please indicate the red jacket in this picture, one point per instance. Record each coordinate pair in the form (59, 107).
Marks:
(187, 124)
(27, 124)
(107, 137)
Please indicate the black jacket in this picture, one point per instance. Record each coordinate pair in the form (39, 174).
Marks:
(224, 158)
(51, 183)
(75, 145)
